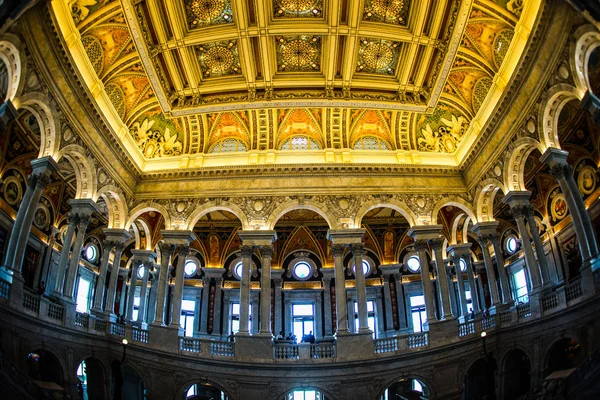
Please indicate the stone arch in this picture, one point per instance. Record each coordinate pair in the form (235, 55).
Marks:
(297, 205)
(214, 206)
(397, 205)
(11, 52)
(186, 386)
(485, 199)
(452, 201)
(145, 207)
(514, 166)
(547, 352)
(587, 40)
(85, 170)
(293, 387)
(40, 106)
(462, 217)
(116, 205)
(38, 345)
(552, 103)
(101, 367)
(416, 376)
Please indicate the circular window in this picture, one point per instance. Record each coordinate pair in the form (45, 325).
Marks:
(302, 270)
(511, 244)
(190, 268)
(91, 252)
(463, 265)
(366, 268)
(141, 271)
(238, 270)
(413, 264)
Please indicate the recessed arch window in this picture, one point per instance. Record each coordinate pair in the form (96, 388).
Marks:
(305, 394)
(190, 267)
(302, 270)
(413, 264)
(370, 143)
(300, 143)
(511, 244)
(228, 146)
(91, 252)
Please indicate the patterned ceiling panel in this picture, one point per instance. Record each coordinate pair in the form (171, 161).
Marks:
(297, 8)
(219, 59)
(378, 56)
(201, 13)
(298, 53)
(387, 11)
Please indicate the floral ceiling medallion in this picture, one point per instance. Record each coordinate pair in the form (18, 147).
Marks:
(297, 8)
(219, 59)
(387, 11)
(208, 12)
(378, 56)
(298, 53)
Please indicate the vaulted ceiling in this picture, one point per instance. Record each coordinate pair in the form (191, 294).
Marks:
(389, 81)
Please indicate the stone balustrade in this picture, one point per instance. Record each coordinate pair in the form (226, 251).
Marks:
(48, 310)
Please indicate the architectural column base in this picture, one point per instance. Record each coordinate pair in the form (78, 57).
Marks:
(164, 338)
(355, 346)
(264, 335)
(441, 332)
(252, 348)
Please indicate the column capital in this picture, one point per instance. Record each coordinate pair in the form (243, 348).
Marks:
(84, 221)
(425, 232)
(83, 206)
(42, 181)
(346, 236)
(459, 250)
(485, 229)
(246, 251)
(183, 250)
(517, 198)
(257, 238)
(421, 245)
(266, 251)
(338, 250)
(436, 244)
(328, 273)
(145, 256)
(166, 249)
(390, 269)
(358, 249)
(117, 235)
(44, 165)
(178, 237)
(214, 272)
(591, 103)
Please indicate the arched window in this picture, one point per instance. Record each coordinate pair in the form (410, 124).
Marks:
(366, 268)
(190, 268)
(91, 253)
(141, 271)
(228, 146)
(305, 394)
(370, 143)
(511, 244)
(237, 270)
(463, 265)
(413, 264)
(302, 270)
(300, 143)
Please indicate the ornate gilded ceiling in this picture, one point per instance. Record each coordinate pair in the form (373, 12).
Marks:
(184, 81)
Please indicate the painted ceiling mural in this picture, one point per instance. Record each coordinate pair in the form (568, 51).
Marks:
(216, 80)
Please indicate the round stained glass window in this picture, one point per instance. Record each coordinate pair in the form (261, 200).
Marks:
(511, 244)
(463, 265)
(366, 268)
(190, 268)
(302, 270)
(413, 264)
(237, 270)
(141, 271)
(91, 253)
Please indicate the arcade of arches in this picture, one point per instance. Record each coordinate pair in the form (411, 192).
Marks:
(320, 199)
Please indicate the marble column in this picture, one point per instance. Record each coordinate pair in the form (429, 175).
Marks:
(338, 250)
(436, 247)
(135, 266)
(428, 291)
(328, 274)
(379, 314)
(454, 302)
(41, 273)
(402, 312)
(107, 247)
(484, 230)
(115, 271)
(479, 266)
(388, 271)
(278, 300)
(217, 311)
(59, 273)
(475, 296)
(519, 202)
(182, 253)
(71, 278)
(537, 245)
(246, 253)
(588, 246)
(166, 251)
(266, 253)
(358, 252)
(254, 312)
(43, 168)
(203, 301)
(144, 291)
(506, 294)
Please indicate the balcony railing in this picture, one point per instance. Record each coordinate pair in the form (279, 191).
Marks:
(82, 320)
(223, 349)
(524, 311)
(191, 345)
(417, 340)
(488, 323)
(100, 325)
(386, 345)
(139, 335)
(549, 302)
(4, 289)
(466, 329)
(56, 312)
(117, 330)
(322, 350)
(31, 302)
(573, 291)
(286, 351)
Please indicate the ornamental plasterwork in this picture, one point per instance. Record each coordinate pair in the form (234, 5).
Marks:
(431, 85)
